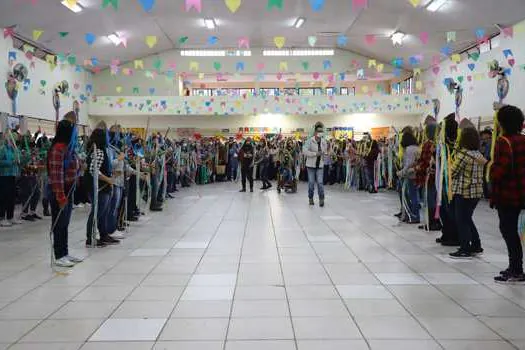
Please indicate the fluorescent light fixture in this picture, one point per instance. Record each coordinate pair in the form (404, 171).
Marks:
(203, 53)
(76, 8)
(299, 22)
(397, 38)
(210, 23)
(436, 5)
(114, 38)
(299, 52)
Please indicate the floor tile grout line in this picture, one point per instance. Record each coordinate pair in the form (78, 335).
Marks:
(419, 274)
(296, 343)
(81, 290)
(230, 316)
(331, 280)
(447, 296)
(196, 266)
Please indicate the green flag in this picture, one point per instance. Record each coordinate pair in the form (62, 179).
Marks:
(106, 3)
(275, 3)
(63, 34)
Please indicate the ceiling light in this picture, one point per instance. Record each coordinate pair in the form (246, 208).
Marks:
(75, 7)
(210, 23)
(114, 38)
(397, 38)
(299, 22)
(436, 5)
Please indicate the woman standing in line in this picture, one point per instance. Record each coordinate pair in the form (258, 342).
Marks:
(9, 171)
(410, 198)
(508, 188)
(62, 169)
(467, 190)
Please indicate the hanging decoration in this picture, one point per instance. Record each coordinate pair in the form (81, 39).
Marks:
(18, 75)
(233, 5)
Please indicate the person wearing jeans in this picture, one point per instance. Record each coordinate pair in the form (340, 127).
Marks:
(467, 190)
(62, 169)
(409, 192)
(315, 149)
(507, 175)
(246, 156)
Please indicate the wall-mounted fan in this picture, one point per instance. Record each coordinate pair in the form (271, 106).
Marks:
(455, 89)
(496, 70)
(59, 88)
(17, 75)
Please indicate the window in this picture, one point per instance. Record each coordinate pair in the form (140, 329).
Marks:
(348, 91)
(202, 92)
(396, 89)
(331, 91)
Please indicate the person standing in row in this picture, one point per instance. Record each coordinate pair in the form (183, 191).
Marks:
(246, 156)
(507, 175)
(315, 149)
(62, 169)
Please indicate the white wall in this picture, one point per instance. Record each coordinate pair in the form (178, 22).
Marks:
(479, 94)
(32, 103)
(106, 84)
(361, 122)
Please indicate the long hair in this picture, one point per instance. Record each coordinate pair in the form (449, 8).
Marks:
(63, 133)
(98, 138)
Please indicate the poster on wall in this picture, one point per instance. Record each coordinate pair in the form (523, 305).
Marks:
(380, 133)
(186, 132)
(343, 132)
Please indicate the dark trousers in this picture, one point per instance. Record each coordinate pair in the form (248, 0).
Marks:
(172, 182)
(508, 225)
(265, 169)
(446, 214)
(60, 231)
(247, 173)
(468, 233)
(431, 195)
(132, 196)
(7, 197)
(114, 207)
(30, 193)
(81, 195)
(104, 199)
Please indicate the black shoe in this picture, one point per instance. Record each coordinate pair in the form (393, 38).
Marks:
(120, 228)
(28, 217)
(133, 218)
(311, 201)
(263, 188)
(510, 278)
(36, 216)
(156, 209)
(439, 240)
(460, 254)
(476, 251)
(450, 243)
(109, 241)
(321, 203)
(269, 186)
(243, 190)
(251, 189)
(398, 215)
(47, 213)
(99, 244)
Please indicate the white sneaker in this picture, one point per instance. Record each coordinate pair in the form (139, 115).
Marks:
(64, 262)
(74, 259)
(79, 206)
(117, 235)
(17, 222)
(5, 223)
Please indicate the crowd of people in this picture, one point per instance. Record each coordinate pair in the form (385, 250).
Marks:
(441, 172)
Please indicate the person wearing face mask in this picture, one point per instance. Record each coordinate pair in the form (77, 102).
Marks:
(314, 150)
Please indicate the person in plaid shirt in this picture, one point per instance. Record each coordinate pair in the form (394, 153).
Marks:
(467, 190)
(507, 175)
(62, 167)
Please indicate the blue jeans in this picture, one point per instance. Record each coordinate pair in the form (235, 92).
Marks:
(104, 199)
(468, 233)
(411, 200)
(315, 176)
(114, 207)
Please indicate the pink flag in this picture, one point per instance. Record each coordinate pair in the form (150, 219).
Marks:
(359, 4)
(196, 4)
(9, 32)
(370, 39)
(424, 37)
(172, 65)
(436, 60)
(244, 42)
(508, 32)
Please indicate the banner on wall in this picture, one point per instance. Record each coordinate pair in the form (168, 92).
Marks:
(345, 132)
(380, 133)
(186, 132)
(260, 130)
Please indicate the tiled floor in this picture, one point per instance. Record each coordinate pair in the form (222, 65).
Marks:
(221, 270)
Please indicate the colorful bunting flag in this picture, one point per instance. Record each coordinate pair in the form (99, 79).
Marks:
(317, 5)
(90, 38)
(139, 64)
(195, 4)
(151, 41)
(370, 39)
(37, 33)
(359, 5)
(372, 63)
(63, 34)
(233, 5)
(451, 37)
(279, 41)
(415, 3)
(114, 3)
(147, 5)
(283, 66)
(275, 3)
(424, 37)
(342, 40)
(312, 40)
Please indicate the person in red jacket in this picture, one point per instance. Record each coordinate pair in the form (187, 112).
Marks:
(507, 175)
(62, 168)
